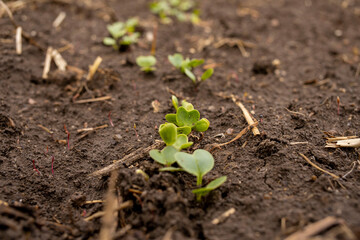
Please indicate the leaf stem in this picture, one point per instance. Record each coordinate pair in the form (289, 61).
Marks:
(199, 180)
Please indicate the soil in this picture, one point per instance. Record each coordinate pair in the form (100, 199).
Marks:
(315, 45)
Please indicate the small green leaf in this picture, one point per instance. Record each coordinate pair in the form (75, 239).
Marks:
(190, 75)
(184, 130)
(117, 29)
(202, 125)
(216, 183)
(210, 187)
(109, 41)
(130, 39)
(205, 161)
(169, 154)
(157, 156)
(208, 73)
(131, 24)
(186, 145)
(168, 133)
(197, 164)
(195, 19)
(175, 102)
(171, 118)
(182, 142)
(187, 118)
(195, 62)
(146, 61)
(147, 69)
(188, 106)
(188, 163)
(176, 60)
(165, 157)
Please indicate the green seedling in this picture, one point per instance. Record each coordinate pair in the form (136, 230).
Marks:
(208, 188)
(122, 34)
(198, 164)
(187, 118)
(174, 143)
(146, 63)
(186, 66)
(181, 9)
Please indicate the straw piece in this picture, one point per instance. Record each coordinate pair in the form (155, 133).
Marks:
(47, 63)
(18, 41)
(59, 19)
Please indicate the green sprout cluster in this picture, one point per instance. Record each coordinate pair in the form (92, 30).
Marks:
(146, 63)
(183, 10)
(186, 66)
(175, 133)
(122, 33)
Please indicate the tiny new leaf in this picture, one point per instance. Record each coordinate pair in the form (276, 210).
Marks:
(187, 118)
(182, 142)
(175, 102)
(208, 73)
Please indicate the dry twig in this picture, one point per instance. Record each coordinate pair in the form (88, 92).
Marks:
(128, 159)
(94, 99)
(92, 129)
(318, 227)
(317, 167)
(99, 214)
(223, 216)
(248, 117)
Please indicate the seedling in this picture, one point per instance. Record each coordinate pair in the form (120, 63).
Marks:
(186, 66)
(181, 9)
(146, 63)
(187, 118)
(122, 34)
(200, 162)
(174, 143)
(208, 188)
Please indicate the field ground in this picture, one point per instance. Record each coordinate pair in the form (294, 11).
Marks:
(302, 56)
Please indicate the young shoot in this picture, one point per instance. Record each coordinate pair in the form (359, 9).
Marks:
(187, 118)
(122, 34)
(174, 143)
(146, 63)
(186, 66)
(183, 10)
(200, 192)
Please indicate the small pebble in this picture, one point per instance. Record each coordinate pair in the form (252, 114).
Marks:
(229, 131)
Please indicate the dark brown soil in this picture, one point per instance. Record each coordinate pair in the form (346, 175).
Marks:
(317, 44)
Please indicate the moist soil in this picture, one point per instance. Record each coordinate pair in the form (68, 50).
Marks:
(275, 192)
